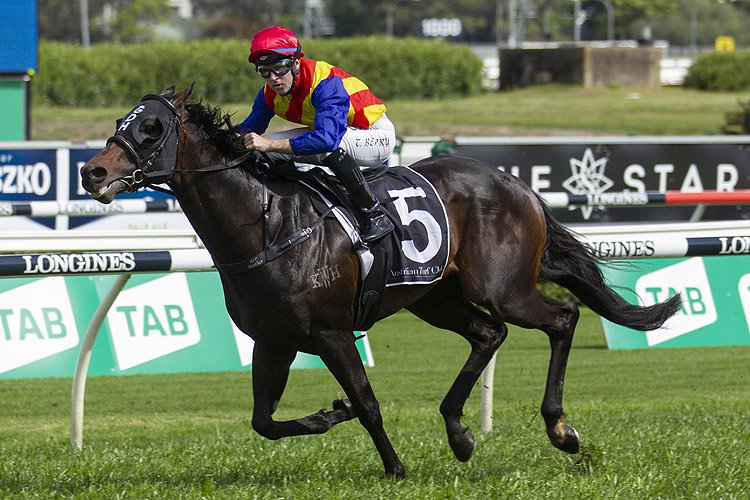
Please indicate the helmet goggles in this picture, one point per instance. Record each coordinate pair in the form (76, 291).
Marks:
(279, 68)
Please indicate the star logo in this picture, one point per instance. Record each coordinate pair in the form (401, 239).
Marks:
(587, 178)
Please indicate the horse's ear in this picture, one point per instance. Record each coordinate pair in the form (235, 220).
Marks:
(168, 92)
(181, 97)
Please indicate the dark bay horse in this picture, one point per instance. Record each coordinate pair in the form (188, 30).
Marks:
(503, 240)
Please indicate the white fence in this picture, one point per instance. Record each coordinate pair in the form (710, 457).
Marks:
(91, 208)
(183, 251)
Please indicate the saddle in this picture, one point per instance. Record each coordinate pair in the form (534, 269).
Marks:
(415, 252)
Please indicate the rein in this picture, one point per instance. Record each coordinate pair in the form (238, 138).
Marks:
(213, 168)
(147, 153)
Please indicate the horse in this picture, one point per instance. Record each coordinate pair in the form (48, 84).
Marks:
(503, 241)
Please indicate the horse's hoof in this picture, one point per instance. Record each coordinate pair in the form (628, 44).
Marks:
(346, 406)
(462, 444)
(398, 472)
(570, 441)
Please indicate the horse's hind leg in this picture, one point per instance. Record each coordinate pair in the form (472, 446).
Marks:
(337, 350)
(446, 307)
(270, 374)
(558, 320)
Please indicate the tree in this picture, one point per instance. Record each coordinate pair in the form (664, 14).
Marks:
(135, 19)
(482, 20)
(556, 16)
(629, 9)
(250, 16)
(58, 21)
(634, 15)
(357, 18)
(698, 22)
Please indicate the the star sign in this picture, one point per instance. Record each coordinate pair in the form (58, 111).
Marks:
(587, 178)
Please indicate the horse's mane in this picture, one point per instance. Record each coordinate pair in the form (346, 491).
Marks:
(214, 123)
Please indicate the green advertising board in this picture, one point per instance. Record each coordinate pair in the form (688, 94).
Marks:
(159, 323)
(13, 103)
(716, 307)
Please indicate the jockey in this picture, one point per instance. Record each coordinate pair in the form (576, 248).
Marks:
(345, 126)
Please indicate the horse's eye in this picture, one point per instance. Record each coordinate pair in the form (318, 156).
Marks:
(151, 128)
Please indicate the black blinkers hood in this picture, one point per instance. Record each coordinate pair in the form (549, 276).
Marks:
(149, 134)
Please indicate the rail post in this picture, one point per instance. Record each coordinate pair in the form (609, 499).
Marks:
(84, 358)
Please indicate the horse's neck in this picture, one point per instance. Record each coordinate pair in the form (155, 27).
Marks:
(225, 209)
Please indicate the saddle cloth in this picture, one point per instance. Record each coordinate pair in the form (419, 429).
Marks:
(418, 247)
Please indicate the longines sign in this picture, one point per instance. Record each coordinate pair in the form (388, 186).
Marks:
(584, 167)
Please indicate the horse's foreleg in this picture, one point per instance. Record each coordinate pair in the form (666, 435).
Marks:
(446, 308)
(338, 352)
(270, 374)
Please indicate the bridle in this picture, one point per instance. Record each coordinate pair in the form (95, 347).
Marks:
(150, 135)
(155, 148)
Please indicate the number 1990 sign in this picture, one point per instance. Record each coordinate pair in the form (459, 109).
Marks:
(441, 28)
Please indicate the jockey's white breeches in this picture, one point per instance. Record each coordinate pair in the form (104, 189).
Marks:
(369, 147)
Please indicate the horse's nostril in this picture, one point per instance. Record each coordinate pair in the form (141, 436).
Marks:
(97, 173)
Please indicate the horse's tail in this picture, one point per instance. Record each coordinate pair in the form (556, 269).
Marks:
(569, 263)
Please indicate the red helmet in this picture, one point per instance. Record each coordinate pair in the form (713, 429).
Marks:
(274, 43)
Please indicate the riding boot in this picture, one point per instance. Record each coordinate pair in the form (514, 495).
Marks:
(375, 224)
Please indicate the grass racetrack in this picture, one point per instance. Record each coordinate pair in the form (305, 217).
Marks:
(660, 423)
(667, 423)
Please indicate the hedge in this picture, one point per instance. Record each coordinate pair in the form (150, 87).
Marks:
(70, 75)
(720, 71)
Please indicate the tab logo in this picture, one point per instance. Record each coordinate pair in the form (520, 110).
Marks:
(698, 309)
(152, 320)
(36, 322)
